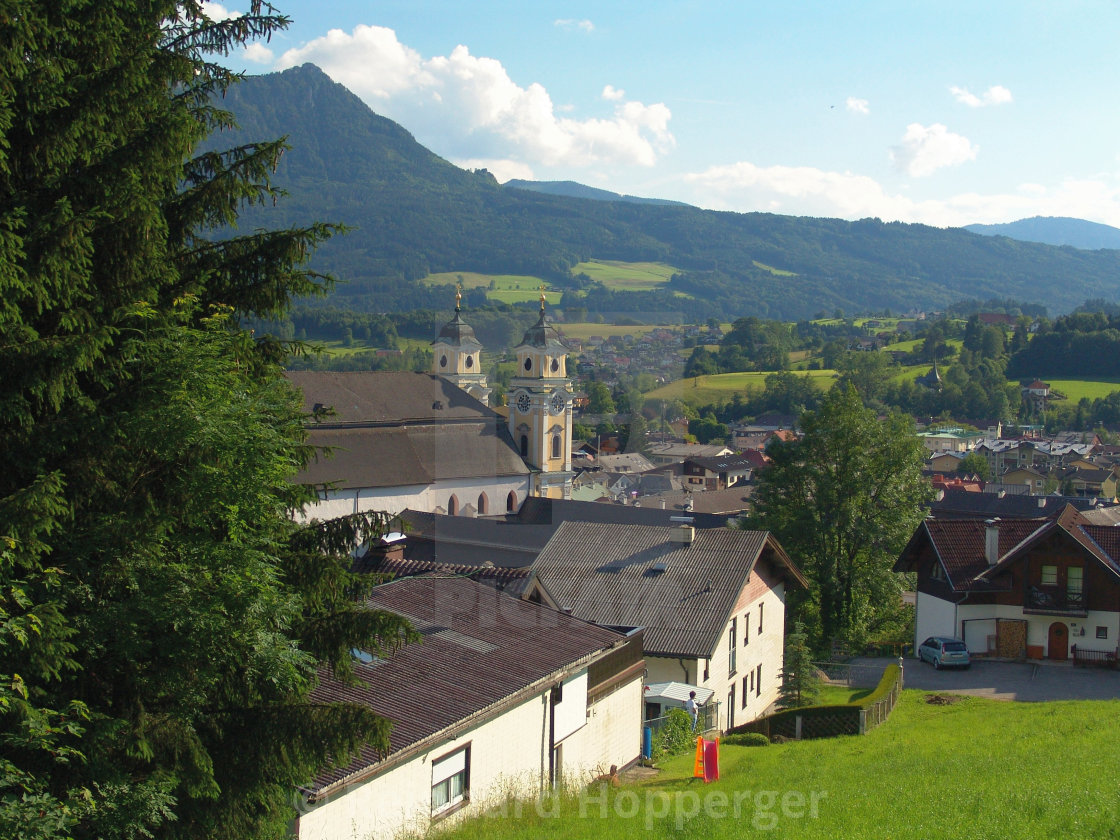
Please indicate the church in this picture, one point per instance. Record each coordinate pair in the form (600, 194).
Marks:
(390, 440)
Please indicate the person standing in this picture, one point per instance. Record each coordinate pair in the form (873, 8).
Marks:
(691, 707)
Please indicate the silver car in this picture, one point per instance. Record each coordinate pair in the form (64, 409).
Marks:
(944, 652)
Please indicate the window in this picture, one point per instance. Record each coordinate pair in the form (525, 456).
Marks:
(453, 506)
(1074, 576)
(706, 663)
(556, 446)
(1102, 632)
(746, 692)
(758, 681)
(732, 641)
(1049, 576)
(483, 504)
(511, 502)
(746, 627)
(752, 679)
(760, 606)
(524, 446)
(451, 780)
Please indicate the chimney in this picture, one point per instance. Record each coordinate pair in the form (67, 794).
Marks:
(991, 541)
(684, 535)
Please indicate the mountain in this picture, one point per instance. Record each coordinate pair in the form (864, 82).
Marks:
(577, 190)
(1055, 230)
(410, 213)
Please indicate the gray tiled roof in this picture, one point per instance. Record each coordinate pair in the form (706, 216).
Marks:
(609, 574)
(392, 428)
(497, 646)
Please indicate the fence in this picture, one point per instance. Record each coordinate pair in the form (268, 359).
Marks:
(707, 717)
(853, 676)
(829, 721)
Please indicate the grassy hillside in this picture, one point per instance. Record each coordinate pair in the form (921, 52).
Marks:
(971, 769)
(702, 390)
(624, 276)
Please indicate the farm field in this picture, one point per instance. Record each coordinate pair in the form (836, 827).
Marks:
(1076, 389)
(507, 288)
(626, 276)
(996, 769)
(701, 390)
(583, 330)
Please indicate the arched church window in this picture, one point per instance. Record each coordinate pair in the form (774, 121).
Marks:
(453, 506)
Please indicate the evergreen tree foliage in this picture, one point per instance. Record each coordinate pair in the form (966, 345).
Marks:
(162, 616)
(843, 501)
(800, 684)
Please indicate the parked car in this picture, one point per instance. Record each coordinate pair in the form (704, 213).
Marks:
(944, 651)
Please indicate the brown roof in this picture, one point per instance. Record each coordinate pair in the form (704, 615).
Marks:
(385, 396)
(643, 576)
(960, 545)
(479, 648)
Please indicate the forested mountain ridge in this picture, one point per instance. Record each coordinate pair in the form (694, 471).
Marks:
(1055, 230)
(412, 213)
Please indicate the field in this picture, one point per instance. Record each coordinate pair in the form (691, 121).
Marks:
(583, 330)
(626, 277)
(1076, 389)
(973, 768)
(702, 390)
(505, 288)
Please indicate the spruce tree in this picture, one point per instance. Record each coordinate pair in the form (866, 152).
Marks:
(800, 684)
(162, 615)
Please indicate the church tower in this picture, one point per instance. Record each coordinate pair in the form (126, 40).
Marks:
(456, 356)
(540, 409)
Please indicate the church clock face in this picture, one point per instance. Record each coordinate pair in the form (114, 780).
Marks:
(523, 403)
(558, 403)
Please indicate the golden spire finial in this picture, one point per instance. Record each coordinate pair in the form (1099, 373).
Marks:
(542, 297)
(458, 296)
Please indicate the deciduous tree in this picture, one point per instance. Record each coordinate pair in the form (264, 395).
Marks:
(842, 501)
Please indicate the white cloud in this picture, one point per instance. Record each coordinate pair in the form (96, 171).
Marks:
(467, 107)
(570, 23)
(995, 95)
(858, 106)
(807, 191)
(258, 53)
(924, 150)
(611, 93)
(216, 11)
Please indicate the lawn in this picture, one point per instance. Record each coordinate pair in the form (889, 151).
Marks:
(974, 768)
(702, 390)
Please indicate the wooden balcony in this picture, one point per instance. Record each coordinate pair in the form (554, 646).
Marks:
(1052, 601)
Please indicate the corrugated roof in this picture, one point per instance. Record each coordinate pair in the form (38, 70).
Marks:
(496, 646)
(385, 396)
(606, 574)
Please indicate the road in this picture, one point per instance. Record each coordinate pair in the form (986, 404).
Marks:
(1023, 681)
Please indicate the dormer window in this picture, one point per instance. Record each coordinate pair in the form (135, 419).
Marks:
(443, 361)
(528, 363)
(470, 361)
(555, 365)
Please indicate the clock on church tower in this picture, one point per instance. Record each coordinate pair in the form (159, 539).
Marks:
(540, 416)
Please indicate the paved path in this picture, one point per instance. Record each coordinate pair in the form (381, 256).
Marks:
(1009, 680)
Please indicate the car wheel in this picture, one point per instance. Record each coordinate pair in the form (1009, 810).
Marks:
(937, 664)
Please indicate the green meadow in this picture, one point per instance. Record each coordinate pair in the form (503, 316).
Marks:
(626, 276)
(504, 288)
(702, 390)
(960, 767)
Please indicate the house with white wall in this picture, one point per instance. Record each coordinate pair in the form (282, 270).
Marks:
(711, 603)
(501, 697)
(1015, 588)
(391, 440)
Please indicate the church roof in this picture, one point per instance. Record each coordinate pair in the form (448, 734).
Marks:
(543, 336)
(458, 333)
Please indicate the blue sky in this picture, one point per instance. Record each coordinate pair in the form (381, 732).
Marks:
(940, 112)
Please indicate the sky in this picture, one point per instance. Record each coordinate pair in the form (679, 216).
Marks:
(934, 111)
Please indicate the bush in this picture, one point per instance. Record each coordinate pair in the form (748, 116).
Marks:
(747, 739)
(676, 736)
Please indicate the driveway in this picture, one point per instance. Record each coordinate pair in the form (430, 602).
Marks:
(1009, 680)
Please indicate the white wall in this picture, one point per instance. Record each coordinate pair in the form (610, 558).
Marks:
(1038, 626)
(429, 498)
(509, 757)
(938, 617)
